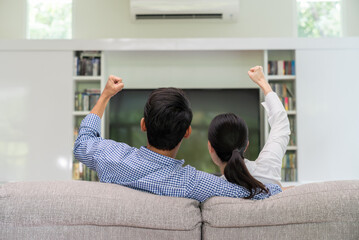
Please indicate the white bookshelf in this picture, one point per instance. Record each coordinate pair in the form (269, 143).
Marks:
(80, 84)
(290, 168)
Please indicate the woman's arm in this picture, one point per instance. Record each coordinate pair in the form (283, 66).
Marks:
(267, 167)
(257, 75)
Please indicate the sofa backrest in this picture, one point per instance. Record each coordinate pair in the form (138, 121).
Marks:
(74, 209)
(328, 210)
(92, 210)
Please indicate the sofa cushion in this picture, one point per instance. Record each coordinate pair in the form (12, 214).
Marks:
(328, 210)
(28, 206)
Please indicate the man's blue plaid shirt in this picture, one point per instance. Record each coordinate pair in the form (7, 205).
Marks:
(148, 171)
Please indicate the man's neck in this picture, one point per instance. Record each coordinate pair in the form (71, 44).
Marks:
(168, 153)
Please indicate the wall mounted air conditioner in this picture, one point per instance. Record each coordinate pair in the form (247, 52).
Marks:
(222, 10)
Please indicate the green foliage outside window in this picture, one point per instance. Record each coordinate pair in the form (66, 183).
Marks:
(319, 19)
(49, 19)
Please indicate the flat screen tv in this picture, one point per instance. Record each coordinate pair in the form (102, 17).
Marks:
(126, 111)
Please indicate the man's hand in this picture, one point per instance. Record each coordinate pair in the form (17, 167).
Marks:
(113, 86)
(257, 76)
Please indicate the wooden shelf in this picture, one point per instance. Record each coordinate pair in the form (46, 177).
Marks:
(291, 112)
(281, 77)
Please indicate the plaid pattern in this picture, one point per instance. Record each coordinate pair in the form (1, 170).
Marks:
(148, 171)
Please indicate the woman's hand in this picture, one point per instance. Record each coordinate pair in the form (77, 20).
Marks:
(257, 76)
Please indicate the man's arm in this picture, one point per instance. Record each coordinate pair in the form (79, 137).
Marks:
(89, 145)
(202, 186)
(113, 86)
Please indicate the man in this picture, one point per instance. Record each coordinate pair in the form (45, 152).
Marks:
(167, 119)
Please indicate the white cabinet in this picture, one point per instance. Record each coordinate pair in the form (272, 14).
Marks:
(35, 119)
(328, 119)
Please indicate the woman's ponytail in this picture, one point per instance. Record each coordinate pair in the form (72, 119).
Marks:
(236, 172)
(228, 135)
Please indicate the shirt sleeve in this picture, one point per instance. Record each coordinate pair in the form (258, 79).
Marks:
(204, 185)
(267, 167)
(91, 149)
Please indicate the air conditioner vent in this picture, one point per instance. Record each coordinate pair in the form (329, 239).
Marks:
(180, 16)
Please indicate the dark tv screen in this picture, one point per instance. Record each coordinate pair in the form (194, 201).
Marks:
(126, 111)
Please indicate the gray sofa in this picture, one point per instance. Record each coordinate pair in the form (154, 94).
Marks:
(92, 210)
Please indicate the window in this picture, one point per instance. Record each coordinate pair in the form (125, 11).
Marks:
(319, 18)
(49, 19)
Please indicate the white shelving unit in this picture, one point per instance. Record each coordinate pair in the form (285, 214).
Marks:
(80, 83)
(289, 173)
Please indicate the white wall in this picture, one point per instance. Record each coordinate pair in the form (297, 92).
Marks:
(327, 114)
(35, 120)
(350, 18)
(93, 19)
(183, 69)
(111, 19)
(12, 19)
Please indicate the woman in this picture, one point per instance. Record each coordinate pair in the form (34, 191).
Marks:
(228, 140)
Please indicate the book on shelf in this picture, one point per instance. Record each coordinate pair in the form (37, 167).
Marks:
(281, 67)
(76, 66)
(285, 94)
(289, 167)
(86, 100)
(87, 63)
(292, 137)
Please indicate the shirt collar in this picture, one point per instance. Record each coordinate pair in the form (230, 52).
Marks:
(158, 158)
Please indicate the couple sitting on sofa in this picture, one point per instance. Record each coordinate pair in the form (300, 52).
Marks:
(167, 119)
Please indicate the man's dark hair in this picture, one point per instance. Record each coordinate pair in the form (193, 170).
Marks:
(167, 116)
